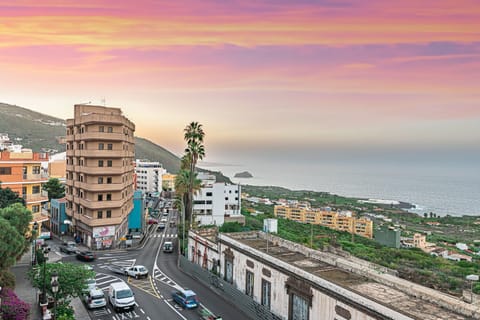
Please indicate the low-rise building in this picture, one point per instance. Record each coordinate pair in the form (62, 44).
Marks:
(149, 175)
(295, 282)
(342, 221)
(387, 236)
(59, 221)
(217, 202)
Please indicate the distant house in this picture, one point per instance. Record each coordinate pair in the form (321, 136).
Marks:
(456, 256)
(433, 223)
(461, 246)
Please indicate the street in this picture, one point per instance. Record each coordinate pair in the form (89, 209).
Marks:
(153, 293)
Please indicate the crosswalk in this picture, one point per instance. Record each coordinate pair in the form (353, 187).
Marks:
(116, 259)
(171, 235)
(158, 275)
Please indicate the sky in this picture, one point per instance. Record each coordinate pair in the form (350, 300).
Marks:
(259, 75)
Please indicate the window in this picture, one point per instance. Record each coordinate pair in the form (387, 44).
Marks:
(266, 293)
(99, 214)
(229, 271)
(100, 197)
(109, 180)
(249, 284)
(109, 213)
(101, 129)
(35, 189)
(24, 190)
(110, 129)
(209, 201)
(109, 163)
(100, 146)
(5, 170)
(100, 163)
(209, 194)
(299, 310)
(109, 196)
(35, 208)
(36, 170)
(100, 180)
(110, 146)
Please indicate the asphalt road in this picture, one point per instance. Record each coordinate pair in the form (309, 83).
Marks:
(153, 294)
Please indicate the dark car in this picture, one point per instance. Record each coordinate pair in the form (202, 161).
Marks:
(68, 247)
(152, 221)
(85, 256)
(185, 298)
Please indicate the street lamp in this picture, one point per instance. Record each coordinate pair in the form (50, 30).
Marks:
(44, 295)
(34, 249)
(54, 284)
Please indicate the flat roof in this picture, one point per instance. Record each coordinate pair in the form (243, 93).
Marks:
(385, 295)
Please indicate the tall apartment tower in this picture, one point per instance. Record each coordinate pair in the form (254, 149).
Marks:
(100, 175)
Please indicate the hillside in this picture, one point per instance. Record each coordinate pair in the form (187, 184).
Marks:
(38, 131)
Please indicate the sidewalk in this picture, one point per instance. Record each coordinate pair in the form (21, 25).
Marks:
(28, 293)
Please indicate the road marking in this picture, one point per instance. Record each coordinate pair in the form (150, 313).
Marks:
(142, 311)
(104, 282)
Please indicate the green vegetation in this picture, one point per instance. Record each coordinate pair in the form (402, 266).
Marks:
(411, 264)
(54, 188)
(8, 197)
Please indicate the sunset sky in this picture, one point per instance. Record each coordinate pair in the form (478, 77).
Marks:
(272, 74)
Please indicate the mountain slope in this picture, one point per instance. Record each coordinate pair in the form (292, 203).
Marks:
(37, 131)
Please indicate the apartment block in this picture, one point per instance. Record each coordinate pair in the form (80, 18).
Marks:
(22, 172)
(217, 202)
(342, 221)
(100, 174)
(149, 175)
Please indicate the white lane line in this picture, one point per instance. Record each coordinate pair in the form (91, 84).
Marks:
(102, 277)
(148, 318)
(174, 309)
(104, 282)
(142, 311)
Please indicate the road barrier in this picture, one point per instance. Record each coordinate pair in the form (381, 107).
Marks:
(243, 302)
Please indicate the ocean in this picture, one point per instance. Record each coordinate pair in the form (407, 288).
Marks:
(440, 184)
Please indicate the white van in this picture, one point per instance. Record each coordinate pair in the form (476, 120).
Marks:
(121, 296)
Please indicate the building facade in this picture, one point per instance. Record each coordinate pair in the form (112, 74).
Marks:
(149, 176)
(22, 172)
(136, 218)
(100, 174)
(387, 236)
(58, 217)
(298, 283)
(342, 221)
(216, 203)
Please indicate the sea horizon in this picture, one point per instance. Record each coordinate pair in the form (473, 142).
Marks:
(445, 186)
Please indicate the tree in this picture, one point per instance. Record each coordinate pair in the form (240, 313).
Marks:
(425, 215)
(193, 135)
(54, 188)
(12, 244)
(71, 279)
(18, 216)
(182, 188)
(8, 197)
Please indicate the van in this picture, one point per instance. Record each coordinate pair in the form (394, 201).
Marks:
(121, 296)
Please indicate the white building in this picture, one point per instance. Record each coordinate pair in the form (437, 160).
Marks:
(295, 282)
(217, 202)
(149, 175)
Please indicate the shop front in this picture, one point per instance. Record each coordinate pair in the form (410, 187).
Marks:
(103, 237)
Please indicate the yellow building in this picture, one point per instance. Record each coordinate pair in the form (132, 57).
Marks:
(168, 181)
(331, 219)
(22, 172)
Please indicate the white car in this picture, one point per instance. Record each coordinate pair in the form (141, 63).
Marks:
(136, 272)
(95, 298)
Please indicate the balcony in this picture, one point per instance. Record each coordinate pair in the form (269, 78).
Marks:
(105, 170)
(107, 119)
(94, 222)
(100, 204)
(36, 197)
(35, 177)
(103, 136)
(101, 187)
(95, 153)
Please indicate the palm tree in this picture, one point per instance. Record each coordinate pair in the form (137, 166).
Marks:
(183, 187)
(193, 135)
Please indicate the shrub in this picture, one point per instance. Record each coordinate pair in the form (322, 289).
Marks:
(12, 307)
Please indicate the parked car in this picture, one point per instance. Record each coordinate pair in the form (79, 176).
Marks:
(68, 247)
(185, 298)
(95, 298)
(168, 247)
(121, 296)
(86, 255)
